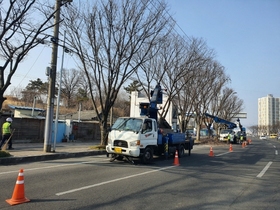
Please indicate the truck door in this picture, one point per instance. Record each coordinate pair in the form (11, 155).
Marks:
(148, 133)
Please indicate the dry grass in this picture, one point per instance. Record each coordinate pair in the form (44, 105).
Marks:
(211, 141)
(98, 147)
(16, 102)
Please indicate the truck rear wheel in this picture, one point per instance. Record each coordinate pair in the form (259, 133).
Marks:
(147, 155)
(189, 147)
(181, 151)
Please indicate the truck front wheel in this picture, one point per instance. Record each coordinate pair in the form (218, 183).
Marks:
(147, 155)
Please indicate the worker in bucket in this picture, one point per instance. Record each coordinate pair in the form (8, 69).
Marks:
(6, 133)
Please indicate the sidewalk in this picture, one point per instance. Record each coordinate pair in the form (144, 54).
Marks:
(30, 152)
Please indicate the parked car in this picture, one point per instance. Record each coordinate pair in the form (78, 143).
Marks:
(263, 137)
(273, 136)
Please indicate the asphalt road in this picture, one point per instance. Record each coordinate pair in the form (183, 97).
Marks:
(246, 178)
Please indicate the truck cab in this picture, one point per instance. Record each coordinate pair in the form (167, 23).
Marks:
(133, 137)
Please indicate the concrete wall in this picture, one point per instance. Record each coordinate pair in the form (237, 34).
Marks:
(32, 130)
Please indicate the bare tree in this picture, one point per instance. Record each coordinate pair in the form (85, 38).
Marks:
(107, 36)
(226, 105)
(189, 56)
(171, 57)
(254, 130)
(20, 32)
(16, 91)
(83, 93)
(70, 82)
(196, 84)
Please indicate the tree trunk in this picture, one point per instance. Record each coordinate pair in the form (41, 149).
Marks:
(2, 99)
(104, 133)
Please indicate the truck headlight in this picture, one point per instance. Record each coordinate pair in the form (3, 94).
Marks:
(134, 143)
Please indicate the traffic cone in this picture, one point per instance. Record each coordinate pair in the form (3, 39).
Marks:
(230, 148)
(18, 194)
(243, 144)
(211, 154)
(176, 159)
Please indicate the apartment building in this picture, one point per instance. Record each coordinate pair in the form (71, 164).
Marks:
(268, 110)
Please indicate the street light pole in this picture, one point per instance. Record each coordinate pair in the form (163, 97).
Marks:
(52, 77)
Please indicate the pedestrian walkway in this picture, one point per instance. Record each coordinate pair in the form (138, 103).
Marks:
(30, 152)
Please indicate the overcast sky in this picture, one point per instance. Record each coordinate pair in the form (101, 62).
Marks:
(245, 34)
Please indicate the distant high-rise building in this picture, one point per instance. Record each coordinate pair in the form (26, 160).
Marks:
(268, 111)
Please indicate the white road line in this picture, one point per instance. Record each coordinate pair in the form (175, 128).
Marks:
(54, 166)
(264, 170)
(276, 152)
(223, 154)
(113, 180)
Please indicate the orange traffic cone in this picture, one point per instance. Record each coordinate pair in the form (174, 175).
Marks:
(230, 148)
(18, 194)
(211, 154)
(176, 159)
(243, 144)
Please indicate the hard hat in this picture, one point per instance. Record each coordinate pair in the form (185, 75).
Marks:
(9, 119)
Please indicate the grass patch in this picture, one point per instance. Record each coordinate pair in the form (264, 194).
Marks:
(4, 154)
(98, 147)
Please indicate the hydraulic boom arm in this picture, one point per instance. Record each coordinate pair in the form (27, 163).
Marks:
(229, 124)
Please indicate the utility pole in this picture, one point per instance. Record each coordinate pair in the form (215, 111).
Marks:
(58, 95)
(52, 77)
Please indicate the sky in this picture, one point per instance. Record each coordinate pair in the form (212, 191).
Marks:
(245, 35)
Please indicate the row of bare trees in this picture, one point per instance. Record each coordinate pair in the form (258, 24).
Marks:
(266, 129)
(116, 42)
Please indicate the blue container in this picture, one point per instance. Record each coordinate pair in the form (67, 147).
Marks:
(176, 138)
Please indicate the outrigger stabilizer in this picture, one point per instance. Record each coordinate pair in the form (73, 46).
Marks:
(120, 157)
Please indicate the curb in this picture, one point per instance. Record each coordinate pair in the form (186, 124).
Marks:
(62, 155)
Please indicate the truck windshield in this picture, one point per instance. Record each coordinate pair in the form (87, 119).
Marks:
(127, 124)
(226, 131)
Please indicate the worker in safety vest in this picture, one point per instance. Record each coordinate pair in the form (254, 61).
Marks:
(228, 138)
(6, 132)
(241, 138)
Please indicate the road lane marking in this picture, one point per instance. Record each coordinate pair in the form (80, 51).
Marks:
(55, 166)
(222, 154)
(276, 151)
(264, 170)
(111, 181)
